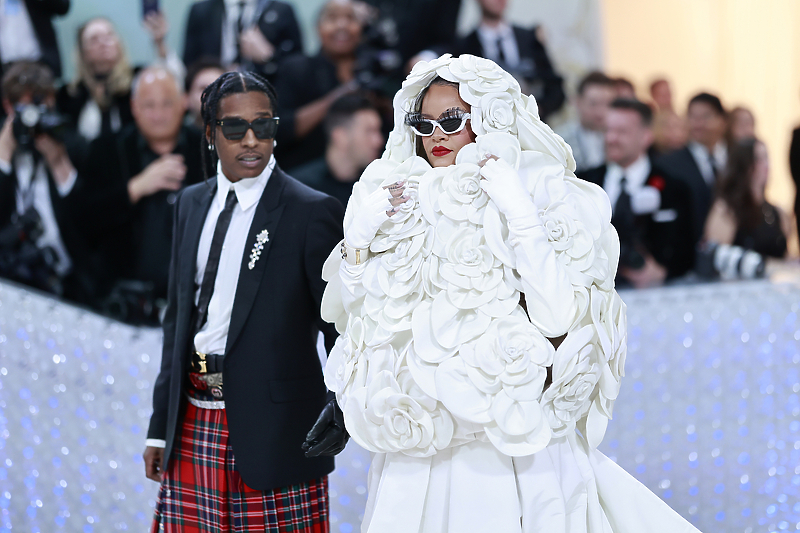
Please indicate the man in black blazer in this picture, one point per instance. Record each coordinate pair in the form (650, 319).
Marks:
(519, 51)
(38, 179)
(128, 190)
(703, 159)
(245, 284)
(259, 37)
(40, 14)
(651, 211)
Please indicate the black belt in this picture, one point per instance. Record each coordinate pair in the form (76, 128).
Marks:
(206, 363)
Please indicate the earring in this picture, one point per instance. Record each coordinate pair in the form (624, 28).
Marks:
(210, 147)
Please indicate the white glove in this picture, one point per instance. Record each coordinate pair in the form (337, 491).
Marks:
(378, 206)
(503, 185)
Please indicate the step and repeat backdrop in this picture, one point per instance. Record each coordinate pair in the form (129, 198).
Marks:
(708, 417)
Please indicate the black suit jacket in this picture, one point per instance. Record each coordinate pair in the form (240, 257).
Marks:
(680, 164)
(41, 13)
(794, 167)
(276, 21)
(666, 234)
(535, 66)
(274, 389)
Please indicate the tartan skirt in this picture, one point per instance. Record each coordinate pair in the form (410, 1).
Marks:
(201, 491)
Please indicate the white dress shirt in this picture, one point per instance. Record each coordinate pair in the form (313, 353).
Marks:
(501, 36)
(33, 190)
(230, 34)
(213, 336)
(18, 41)
(701, 157)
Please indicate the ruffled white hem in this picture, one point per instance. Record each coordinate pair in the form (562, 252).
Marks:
(567, 487)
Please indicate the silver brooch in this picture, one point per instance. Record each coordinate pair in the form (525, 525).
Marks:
(261, 238)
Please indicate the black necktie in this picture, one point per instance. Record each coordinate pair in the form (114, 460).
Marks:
(622, 214)
(210, 274)
(239, 30)
(501, 57)
(713, 163)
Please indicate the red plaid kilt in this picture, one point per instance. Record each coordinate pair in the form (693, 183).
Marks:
(202, 491)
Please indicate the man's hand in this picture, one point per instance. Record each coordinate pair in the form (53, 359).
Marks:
(255, 46)
(164, 174)
(327, 436)
(7, 141)
(153, 459)
(157, 26)
(651, 274)
(55, 156)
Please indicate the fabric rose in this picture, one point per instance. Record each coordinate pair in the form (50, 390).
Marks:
(575, 375)
(497, 113)
(392, 414)
(497, 381)
(342, 358)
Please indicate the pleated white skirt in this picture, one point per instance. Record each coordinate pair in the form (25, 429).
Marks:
(474, 488)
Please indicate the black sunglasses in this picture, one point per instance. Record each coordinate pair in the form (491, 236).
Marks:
(235, 129)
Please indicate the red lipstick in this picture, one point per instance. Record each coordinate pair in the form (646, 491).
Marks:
(439, 151)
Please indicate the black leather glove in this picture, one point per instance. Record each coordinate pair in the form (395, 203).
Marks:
(327, 436)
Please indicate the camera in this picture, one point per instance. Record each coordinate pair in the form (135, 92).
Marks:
(134, 302)
(728, 261)
(31, 120)
(22, 260)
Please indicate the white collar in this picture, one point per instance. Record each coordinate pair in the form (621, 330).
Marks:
(636, 173)
(720, 152)
(248, 191)
(489, 33)
(231, 3)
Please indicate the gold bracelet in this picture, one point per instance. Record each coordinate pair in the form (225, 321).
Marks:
(354, 256)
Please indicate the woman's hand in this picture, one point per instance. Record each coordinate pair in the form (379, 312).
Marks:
(380, 205)
(504, 186)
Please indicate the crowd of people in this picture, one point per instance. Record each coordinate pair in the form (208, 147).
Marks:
(90, 167)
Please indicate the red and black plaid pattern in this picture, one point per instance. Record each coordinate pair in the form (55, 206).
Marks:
(203, 492)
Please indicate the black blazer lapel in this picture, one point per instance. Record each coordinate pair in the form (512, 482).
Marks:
(267, 215)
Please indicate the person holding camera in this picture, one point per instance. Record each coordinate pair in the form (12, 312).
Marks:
(129, 188)
(38, 244)
(650, 210)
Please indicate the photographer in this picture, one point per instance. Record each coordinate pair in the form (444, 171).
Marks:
(651, 212)
(128, 191)
(38, 243)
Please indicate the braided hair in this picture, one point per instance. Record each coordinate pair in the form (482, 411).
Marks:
(226, 85)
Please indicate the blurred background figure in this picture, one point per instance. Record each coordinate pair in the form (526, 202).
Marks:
(741, 125)
(353, 130)
(651, 211)
(699, 163)
(624, 88)
(252, 34)
(519, 51)
(98, 99)
(794, 167)
(740, 214)
(661, 93)
(669, 131)
(308, 86)
(595, 93)
(39, 244)
(199, 75)
(26, 32)
(129, 188)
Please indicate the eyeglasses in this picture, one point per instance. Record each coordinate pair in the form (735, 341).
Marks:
(235, 129)
(426, 126)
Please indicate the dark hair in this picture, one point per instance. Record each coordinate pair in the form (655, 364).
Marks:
(227, 84)
(28, 77)
(734, 184)
(419, 148)
(344, 108)
(594, 78)
(197, 67)
(625, 82)
(640, 108)
(709, 99)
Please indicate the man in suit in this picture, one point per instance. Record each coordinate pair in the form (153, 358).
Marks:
(37, 178)
(129, 188)
(519, 51)
(595, 93)
(256, 34)
(651, 211)
(794, 167)
(244, 311)
(353, 129)
(700, 162)
(26, 32)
